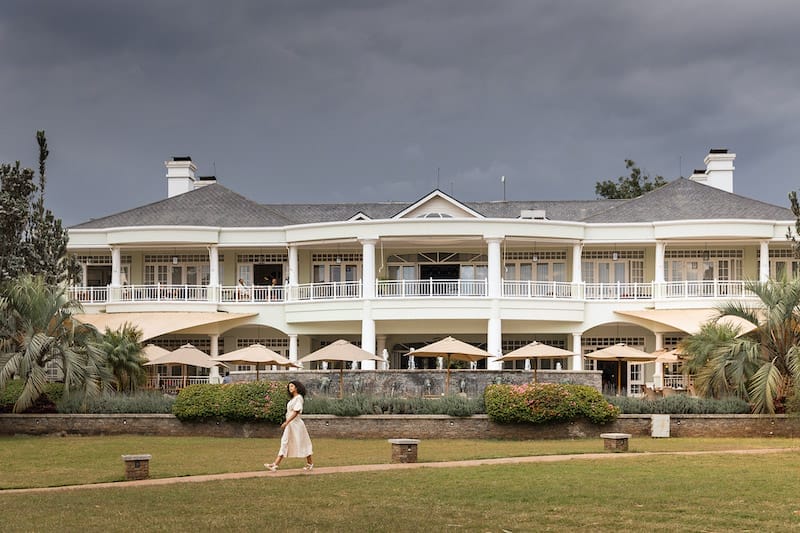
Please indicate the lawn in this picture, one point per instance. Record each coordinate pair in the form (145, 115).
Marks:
(646, 492)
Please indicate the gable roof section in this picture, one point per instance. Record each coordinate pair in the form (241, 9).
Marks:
(437, 196)
(212, 205)
(684, 199)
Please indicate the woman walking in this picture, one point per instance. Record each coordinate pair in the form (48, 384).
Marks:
(295, 441)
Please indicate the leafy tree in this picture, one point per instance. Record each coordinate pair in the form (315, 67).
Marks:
(32, 239)
(632, 186)
(761, 366)
(123, 349)
(37, 329)
(793, 236)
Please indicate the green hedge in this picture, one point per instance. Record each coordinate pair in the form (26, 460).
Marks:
(680, 404)
(45, 404)
(356, 405)
(141, 402)
(547, 403)
(262, 401)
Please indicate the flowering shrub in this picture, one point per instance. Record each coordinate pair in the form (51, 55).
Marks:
(262, 400)
(547, 402)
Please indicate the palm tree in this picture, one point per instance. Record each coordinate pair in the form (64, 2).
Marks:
(38, 330)
(123, 349)
(761, 366)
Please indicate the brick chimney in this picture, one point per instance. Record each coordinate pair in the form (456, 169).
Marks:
(180, 175)
(719, 169)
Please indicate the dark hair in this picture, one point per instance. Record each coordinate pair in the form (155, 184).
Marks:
(301, 390)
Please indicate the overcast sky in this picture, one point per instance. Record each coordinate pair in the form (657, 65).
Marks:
(335, 101)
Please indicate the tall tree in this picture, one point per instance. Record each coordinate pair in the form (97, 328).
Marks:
(32, 239)
(762, 366)
(794, 236)
(37, 330)
(631, 186)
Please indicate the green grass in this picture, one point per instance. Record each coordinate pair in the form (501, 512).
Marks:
(647, 492)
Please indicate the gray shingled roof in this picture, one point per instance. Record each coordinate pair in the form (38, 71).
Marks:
(684, 199)
(215, 205)
(211, 205)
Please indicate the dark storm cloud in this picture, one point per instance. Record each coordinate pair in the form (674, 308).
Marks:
(364, 100)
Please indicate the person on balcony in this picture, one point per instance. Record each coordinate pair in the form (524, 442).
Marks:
(243, 293)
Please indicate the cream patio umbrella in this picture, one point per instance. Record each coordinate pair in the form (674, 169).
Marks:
(186, 355)
(450, 348)
(341, 351)
(535, 350)
(621, 352)
(151, 352)
(257, 354)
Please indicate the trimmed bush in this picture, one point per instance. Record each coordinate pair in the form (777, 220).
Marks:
(141, 402)
(259, 401)
(45, 404)
(359, 404)
(680, 404)
(546, 403)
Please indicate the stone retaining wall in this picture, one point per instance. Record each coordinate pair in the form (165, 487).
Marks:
(418, 383)
(400, 426)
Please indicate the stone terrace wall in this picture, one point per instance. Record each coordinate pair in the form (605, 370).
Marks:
(399, 426)
(418, 383)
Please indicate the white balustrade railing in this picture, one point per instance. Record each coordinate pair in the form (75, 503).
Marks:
(618, 291)
(675, 381)
(327, 291)
(172, 384)
(703, 289)
(239, 293)
(88, 295)
(537, 289)
(410, 289)
(431, 287)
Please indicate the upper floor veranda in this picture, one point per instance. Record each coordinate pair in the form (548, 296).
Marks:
(510, 267)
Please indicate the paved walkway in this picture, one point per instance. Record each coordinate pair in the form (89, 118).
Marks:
(384, 467)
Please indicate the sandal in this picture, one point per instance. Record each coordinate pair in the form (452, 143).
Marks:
(272, 467)
(309, 466)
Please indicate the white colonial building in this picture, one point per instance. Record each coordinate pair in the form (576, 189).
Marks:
(580, 275)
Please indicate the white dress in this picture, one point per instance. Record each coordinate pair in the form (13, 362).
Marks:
(295, 441)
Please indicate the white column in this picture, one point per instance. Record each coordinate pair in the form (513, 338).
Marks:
(293, 347)
(763, 262)
(213, 375)
(660, 249)
(213, 273)
(290, 293)
(577, 349)
(577, 265)
(368, 268)
(494, 339)
(658, 374)
(116, 266)
(577, 270)
(213, 265)
(659, 274)
(368, 341)
(494, 290)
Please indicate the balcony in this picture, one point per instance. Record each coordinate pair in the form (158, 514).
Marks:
(431, 288)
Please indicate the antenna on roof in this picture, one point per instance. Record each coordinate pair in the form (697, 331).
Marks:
(214, 163)
(680, 166)
(437, 177)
